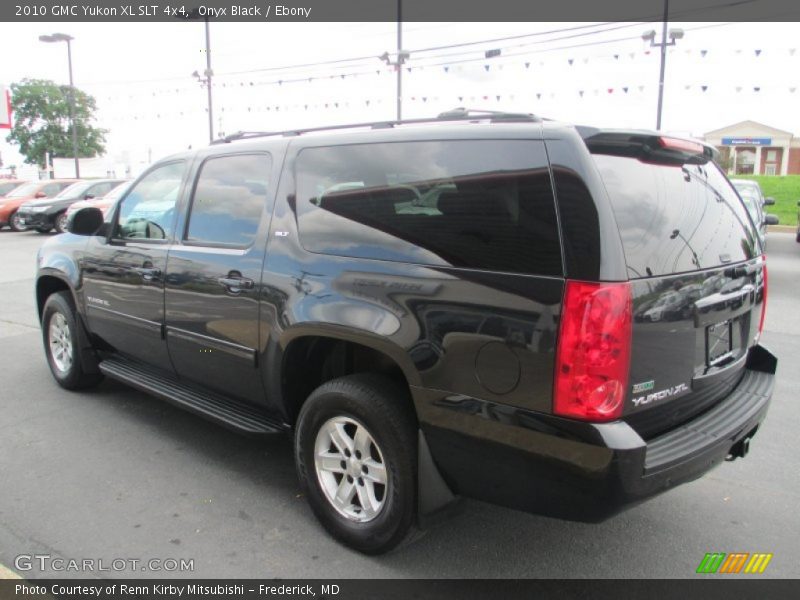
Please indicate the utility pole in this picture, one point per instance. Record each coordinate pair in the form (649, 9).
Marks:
(209, 74)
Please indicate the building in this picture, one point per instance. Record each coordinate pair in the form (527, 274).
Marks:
(751, 148)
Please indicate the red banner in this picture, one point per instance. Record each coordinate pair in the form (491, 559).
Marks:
(5, 108)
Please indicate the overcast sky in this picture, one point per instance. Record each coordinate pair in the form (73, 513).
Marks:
(140, 75)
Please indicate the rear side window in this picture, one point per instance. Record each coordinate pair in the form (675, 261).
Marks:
(674, 219)
(229, 199)
(476, 204)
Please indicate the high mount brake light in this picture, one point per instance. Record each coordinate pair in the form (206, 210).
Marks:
(679, 144)
(593, 354)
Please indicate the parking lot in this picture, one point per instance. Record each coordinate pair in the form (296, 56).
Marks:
(112, 473)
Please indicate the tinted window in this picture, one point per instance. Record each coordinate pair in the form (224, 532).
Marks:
(100, 189)
(478, 204)
(148, 211)
(674, 219)
(52, 189)
(229, 199)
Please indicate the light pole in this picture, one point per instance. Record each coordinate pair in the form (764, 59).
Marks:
(63, 37)
(674, 35)
(402, 57)
(195, 14)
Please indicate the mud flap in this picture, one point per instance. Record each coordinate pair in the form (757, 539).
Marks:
(435, 500)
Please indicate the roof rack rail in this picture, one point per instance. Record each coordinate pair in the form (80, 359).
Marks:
(457, 114)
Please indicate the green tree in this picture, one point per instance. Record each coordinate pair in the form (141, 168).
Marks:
(42, 121)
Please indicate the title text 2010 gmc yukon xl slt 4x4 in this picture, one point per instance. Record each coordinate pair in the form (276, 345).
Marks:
(559, 319)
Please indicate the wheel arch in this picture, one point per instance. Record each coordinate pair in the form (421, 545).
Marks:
(310, 355)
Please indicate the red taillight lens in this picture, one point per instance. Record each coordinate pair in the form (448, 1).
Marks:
(594, 351)
(763, 298)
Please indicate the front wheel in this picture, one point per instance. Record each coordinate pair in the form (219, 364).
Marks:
(15, 222)
(355, 450)
(60, 333)
(61, 222)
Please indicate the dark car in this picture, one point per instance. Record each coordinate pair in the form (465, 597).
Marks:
(42, 215)
(433, 308)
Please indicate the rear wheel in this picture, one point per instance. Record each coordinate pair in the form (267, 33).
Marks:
(60, 334)
(61, 222)
(14, 222)
(355, 450)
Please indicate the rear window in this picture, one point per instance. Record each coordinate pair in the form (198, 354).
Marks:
(674, 219)
(476, 204)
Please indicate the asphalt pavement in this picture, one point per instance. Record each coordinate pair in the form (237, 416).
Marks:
(114, 474)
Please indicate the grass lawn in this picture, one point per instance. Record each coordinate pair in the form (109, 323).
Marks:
(786, 191)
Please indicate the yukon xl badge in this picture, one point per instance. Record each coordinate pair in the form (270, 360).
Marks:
(669, 392)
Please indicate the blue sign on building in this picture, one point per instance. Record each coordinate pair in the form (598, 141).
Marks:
(746, 141)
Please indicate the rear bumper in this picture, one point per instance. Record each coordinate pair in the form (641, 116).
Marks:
(583, 471)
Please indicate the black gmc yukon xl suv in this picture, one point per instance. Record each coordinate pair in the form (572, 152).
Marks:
(559, 319)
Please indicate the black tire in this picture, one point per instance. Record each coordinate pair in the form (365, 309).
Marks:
(60, 222)
(383, 408)
(797, 237)
(68, 373)
(13, 222)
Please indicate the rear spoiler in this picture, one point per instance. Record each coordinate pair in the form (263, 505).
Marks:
(648, 146)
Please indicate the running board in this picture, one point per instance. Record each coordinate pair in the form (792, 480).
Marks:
(233, 415)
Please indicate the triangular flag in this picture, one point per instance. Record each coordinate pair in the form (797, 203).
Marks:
(705, 87)
(460, 98)
(792, 89)
(538, 96)
(756, 89)
(446, 69)
(581, 93)
(625, 90)
(738, 88)
(758, 52)
(631, 54)
(498, 97)
(703, 53)
(792, 51)
(610, 90)
(686, 87)
(486, 67)
(641, 88)
(616, 57)
(527, 64)
(570, 60)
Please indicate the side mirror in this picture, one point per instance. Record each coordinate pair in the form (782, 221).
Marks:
(86, 221)
(40, 195)
(88, 196)
(769, 201)
(771, 220)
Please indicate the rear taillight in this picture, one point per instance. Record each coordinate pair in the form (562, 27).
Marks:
(594, 349)
(763, 297)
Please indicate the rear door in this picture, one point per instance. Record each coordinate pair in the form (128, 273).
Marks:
(693, 256)
(214, 273)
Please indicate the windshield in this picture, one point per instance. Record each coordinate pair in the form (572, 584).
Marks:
(7, 187)
(76, 189)
(751, 201)
(25, 190)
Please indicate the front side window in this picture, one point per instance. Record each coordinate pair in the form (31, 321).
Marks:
(483, 204)
(229, 199)
(147, 212)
